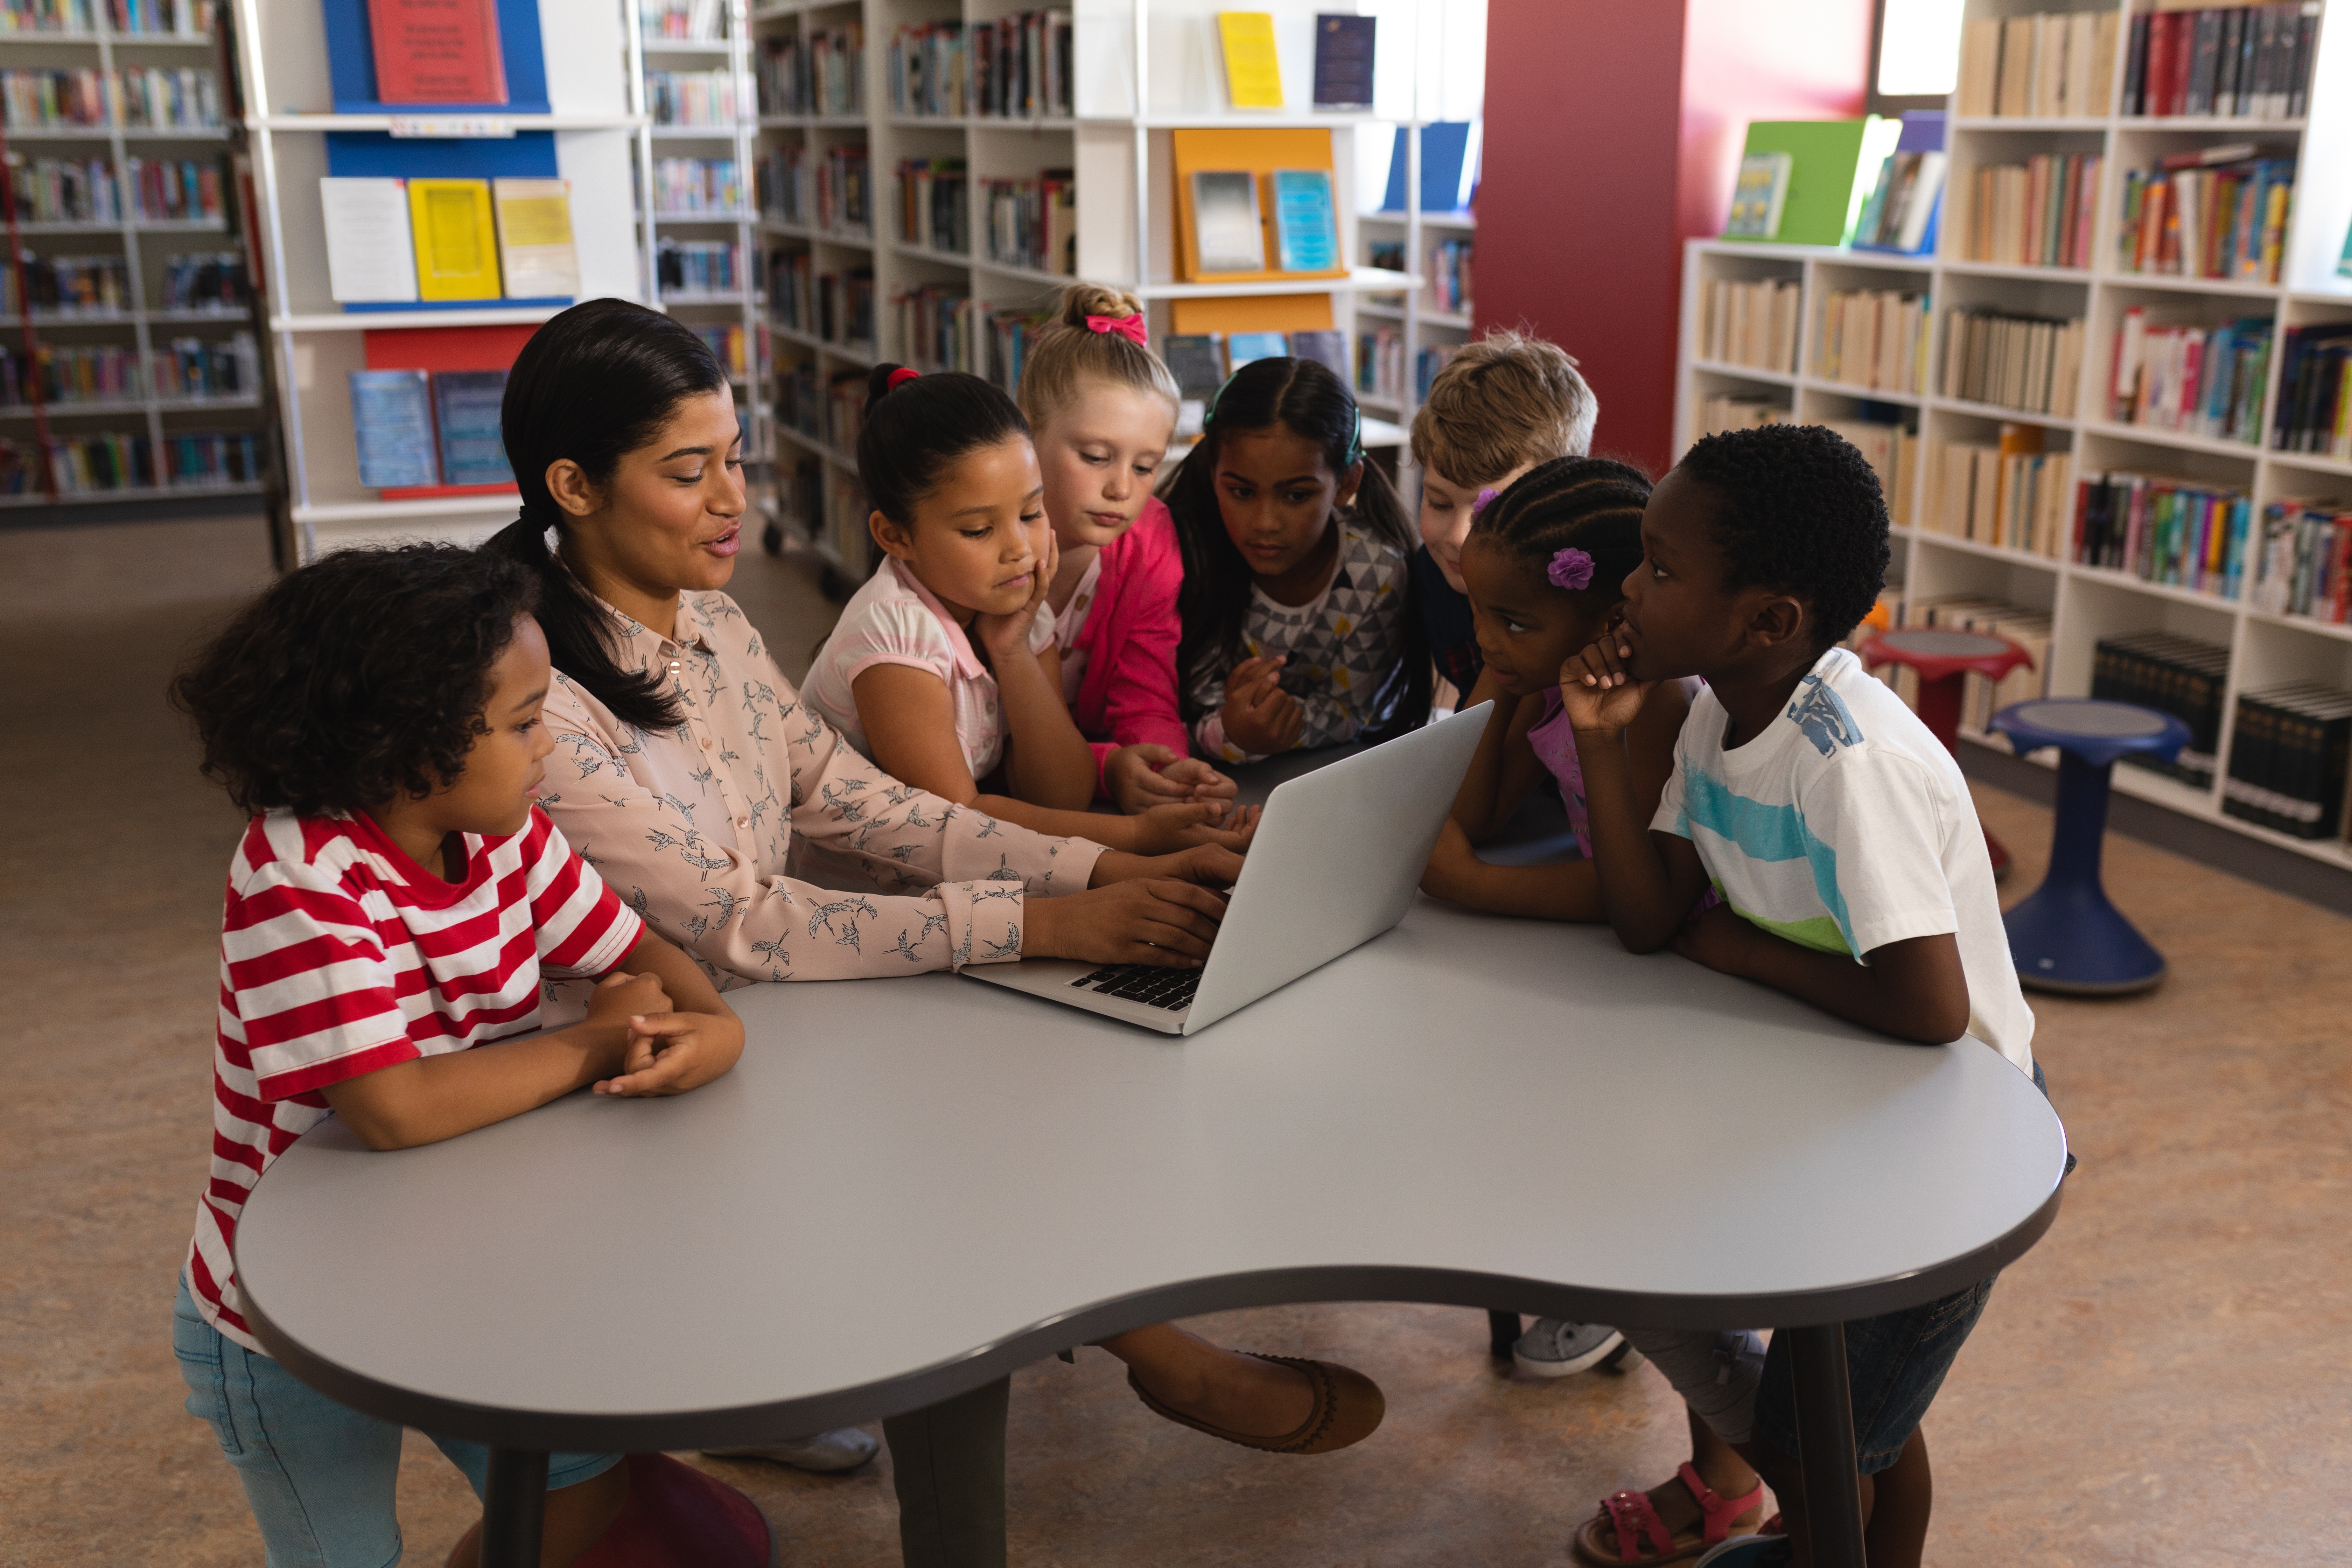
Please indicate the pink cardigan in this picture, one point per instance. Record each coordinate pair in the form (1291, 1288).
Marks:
(1128, 694)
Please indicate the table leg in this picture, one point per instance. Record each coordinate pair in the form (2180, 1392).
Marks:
(1826, 1443)
(514, 1508)
(1501, 1333)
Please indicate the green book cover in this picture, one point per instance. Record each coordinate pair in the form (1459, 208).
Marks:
(1836, 161)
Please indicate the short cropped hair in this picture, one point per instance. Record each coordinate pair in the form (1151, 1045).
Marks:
(1799, 510)
(1508, 400)
(356, 680)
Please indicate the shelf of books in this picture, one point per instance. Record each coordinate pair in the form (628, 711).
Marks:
(928, 176)
(1424, 224)
(2111, 393)
(129, 363)
(418, 215)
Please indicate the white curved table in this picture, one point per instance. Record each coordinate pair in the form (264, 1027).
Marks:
(980, 1179)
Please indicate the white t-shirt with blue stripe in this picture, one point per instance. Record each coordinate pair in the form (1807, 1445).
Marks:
(1844, 827)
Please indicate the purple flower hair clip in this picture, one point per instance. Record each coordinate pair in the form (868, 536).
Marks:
(1570, 569)
(1480, 504)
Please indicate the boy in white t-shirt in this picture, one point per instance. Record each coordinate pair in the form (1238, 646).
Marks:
(1841, 838)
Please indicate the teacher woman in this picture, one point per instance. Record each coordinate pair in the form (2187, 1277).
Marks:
(691, 775)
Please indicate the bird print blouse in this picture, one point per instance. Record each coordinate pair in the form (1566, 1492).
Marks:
(694, 828)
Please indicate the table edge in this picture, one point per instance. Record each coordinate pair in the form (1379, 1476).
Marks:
(650, 1431)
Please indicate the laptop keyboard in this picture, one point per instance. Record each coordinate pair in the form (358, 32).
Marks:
(1154, 987)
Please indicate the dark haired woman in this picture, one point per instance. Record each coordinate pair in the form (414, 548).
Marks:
(688, 769)
(1299, 623)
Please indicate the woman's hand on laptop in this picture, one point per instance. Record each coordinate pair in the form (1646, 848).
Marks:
(1154, 920)
(1205, 864)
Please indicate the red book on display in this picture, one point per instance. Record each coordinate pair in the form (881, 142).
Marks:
(436, 51)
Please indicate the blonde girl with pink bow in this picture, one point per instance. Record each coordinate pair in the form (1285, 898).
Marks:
(1102, 408)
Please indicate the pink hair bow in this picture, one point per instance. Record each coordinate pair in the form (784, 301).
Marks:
(1485, 499)
(1570, 569)
(1132, 328)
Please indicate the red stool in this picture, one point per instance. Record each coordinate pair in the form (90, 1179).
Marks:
(1942, 656)
(677, 1517)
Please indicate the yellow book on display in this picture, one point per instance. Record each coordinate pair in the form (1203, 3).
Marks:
(456, 241)
(535, 250)
(1252, 73)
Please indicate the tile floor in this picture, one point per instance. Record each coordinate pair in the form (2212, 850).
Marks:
(2162, 1381)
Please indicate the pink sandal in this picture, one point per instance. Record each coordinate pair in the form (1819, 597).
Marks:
(1641, 1535)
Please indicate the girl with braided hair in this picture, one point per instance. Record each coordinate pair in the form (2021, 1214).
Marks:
(1543, 566)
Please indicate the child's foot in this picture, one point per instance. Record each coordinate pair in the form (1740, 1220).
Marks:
(1279, 1403)
(1672, 1522)
(1558, 1347)
(833, 1452)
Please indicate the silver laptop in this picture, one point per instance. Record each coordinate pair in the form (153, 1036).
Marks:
(1335, 863)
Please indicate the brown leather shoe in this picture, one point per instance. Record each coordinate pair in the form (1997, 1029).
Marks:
(1348, 1409)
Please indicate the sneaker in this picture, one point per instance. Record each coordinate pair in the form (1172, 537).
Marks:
(826, 1454)
(1748, 1551)
(1556, 1347)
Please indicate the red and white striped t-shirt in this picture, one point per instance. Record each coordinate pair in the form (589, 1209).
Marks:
(340, 955)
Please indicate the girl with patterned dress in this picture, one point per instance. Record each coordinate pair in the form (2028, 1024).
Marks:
(1299, 624)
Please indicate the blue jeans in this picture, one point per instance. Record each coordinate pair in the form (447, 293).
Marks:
(320, 1476)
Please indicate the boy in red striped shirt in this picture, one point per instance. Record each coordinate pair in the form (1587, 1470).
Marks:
(390, 912)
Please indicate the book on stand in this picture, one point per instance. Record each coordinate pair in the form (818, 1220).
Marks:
(1344, 57)
(392, 419)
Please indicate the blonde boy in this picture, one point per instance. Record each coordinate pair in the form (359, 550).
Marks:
(1500, 406)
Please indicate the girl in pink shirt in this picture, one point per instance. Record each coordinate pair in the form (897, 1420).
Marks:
(1101, 407)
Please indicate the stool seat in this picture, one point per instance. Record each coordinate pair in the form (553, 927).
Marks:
(2067, 937)
(1938, 652)
(2092, 728)
(677, 1517)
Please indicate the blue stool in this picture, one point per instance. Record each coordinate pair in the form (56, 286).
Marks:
(2067, 937)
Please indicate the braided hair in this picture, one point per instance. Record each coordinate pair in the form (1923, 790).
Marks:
(1592, 504)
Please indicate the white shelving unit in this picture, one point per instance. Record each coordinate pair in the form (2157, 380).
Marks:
(1420, 323)
(730, 51)
(1140, 71)
(145, 247)
(2087, 602)
(603, 147)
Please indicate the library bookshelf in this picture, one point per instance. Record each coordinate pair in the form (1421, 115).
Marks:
(603, 146)
(1139, 71)
(2084, 602)
(147, 402)
(1420, 320)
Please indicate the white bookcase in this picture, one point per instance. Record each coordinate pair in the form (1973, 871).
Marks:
(1140, 71)
(145, 245)
(1420, 322)
(2086, 603)
(595, 90)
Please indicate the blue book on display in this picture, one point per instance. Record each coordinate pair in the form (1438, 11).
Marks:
(1243, 348)
(1449, 167)
(473, 451)
(1306, 226)
(391, 418)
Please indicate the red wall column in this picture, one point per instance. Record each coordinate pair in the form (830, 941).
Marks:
(1614, 130)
